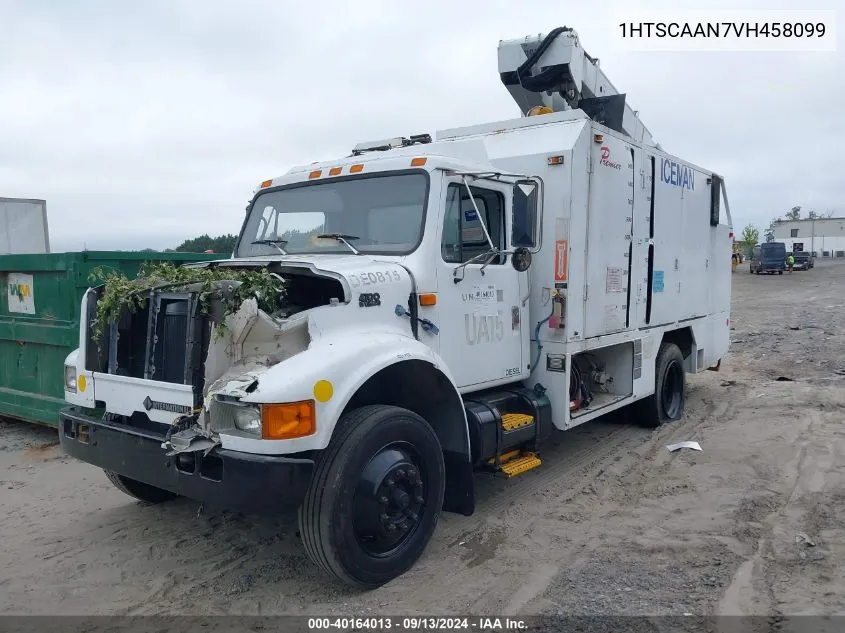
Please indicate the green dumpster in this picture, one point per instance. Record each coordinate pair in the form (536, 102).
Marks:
(39, 322)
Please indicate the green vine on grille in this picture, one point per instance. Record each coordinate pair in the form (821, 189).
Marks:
(122, 294)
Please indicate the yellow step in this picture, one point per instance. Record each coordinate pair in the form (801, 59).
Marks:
(520, 465)
(505, 457)
(513, 421)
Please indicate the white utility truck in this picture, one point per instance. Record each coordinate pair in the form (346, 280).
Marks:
(451, 303)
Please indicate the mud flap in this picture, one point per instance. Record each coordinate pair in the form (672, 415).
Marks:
(459, 495)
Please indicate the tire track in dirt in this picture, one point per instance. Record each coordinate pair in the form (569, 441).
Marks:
(753, 587)
(577, 460)
(649, 464)
(600, 457)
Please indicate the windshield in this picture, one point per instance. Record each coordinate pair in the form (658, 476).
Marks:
(375, 214)
(772, 250)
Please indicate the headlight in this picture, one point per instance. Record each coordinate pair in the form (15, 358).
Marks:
(247, 419)
(70, 378)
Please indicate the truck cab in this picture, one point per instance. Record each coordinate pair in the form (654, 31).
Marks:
(406, 286)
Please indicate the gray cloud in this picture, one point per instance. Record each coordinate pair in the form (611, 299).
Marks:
(143, 124)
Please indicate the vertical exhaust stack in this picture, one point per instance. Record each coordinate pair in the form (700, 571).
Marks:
(554, 71)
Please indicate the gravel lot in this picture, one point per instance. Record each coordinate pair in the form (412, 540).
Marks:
(611, 523)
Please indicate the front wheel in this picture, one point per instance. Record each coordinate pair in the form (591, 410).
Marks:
(667, 402)
(375, 497)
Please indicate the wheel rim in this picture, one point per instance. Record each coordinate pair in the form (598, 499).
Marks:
(389, 500)
(673, 389)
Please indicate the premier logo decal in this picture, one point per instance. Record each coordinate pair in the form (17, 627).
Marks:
(150, 404)
(605, 158)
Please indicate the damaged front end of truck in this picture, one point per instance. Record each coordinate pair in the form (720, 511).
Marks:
(189, 380)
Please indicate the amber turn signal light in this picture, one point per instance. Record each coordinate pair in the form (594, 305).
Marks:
(288, 420)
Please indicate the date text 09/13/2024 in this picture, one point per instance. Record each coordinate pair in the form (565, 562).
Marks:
(484, 624)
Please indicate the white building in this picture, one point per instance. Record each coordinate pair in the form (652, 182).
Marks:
(823, 236)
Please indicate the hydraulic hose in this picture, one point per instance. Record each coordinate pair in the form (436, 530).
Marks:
(537, 339)
(546, 79)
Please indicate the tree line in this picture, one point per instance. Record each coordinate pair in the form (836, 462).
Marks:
(219, 244)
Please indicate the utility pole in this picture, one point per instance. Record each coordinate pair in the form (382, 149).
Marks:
(813, 237)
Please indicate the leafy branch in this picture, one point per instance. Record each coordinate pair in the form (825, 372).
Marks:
(230, 287)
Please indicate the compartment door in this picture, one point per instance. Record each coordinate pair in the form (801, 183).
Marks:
(609, 233)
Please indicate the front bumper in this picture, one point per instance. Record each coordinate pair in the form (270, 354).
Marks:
(223, 478)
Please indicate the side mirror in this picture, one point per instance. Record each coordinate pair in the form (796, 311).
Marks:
(521, 259)
(524, 214)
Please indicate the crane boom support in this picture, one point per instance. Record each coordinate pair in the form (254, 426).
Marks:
(555, 71)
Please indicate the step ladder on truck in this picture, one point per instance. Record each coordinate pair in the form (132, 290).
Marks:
(451, 303)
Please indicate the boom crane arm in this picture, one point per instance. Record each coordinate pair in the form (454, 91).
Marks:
(556, 72)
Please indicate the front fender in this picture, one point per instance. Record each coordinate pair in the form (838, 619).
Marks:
(345, 361)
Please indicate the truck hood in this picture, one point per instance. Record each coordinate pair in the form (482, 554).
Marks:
(336, 262)
(330, 296)
(357, 273)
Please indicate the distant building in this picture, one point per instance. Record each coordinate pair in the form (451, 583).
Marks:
(823, 236)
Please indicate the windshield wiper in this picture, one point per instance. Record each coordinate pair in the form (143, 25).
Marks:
(342, 237)
(275, 243)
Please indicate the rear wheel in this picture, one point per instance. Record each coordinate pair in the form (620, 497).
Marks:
(138, 489)
(667, 402)
(375, 498)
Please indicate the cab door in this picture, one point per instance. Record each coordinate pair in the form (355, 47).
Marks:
(483, 324)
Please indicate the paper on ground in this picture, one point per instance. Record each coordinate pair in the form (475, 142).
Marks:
(687, 444)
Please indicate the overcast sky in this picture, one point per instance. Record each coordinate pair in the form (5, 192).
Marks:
(146, 123)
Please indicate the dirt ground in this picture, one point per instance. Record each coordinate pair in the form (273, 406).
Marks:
(612, 523)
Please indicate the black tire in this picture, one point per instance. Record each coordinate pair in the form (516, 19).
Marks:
(138, 489)
(375, 497)
(667, 402)
(780, 272)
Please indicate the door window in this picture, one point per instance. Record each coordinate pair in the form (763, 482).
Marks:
(463, 235)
